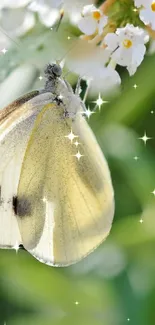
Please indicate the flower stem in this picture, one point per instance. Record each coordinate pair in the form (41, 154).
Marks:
(106, 5)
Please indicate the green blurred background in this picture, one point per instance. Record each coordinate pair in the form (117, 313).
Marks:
(116, 283)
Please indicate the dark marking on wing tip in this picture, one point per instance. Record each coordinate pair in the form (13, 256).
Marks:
(21, 207)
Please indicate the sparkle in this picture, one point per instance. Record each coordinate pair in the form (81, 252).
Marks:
(51, 28)
(145, 138)
(71, 136)
(40, 78)
(16, 247)
(60, 96)
(135, 9)
(76, 303)
(152, 112)
(136, 158)
(76, 143)
(78, 155)
(128, 319)
(100, 101)
(153, 192)
(88, 112)
(141, 220)
(68, 37)
(4, 51)
(44, 199)
(135, 86)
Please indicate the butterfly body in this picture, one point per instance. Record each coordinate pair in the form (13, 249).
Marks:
(56, 199)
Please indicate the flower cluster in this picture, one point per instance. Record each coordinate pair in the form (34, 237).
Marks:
(118, 33)
(124, 41)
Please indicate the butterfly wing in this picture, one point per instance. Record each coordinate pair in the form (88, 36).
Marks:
(16, 122)
(65, 206)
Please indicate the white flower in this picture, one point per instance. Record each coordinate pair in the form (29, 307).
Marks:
(16, 21)
(127, 46)
(90, 62)
(147, 12)
(13, 3)
(48, 16)
(36, 5)
(92, 20)
(105, 80)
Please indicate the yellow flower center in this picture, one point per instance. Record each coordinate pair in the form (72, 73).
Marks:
(96, 15)
(127, 43)
(153, 6)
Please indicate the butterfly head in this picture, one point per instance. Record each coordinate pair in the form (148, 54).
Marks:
(53, 71)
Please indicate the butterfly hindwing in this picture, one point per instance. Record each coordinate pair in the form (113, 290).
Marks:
(65, 205)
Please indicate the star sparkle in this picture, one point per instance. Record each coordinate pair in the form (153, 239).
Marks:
(136, 158)
(128, 319)
(152, 112)
(99, 102)
(4, 51)
(141, 220)
(78, 155)
(88, 112)
(71, 136)
(40, 78)
(145, 138)
(76, 143)
(135, 86)
(76, 303)
(60, 96)
(153, 192)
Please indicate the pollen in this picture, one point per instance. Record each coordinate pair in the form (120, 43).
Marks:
(96, 15)
(153, 6)
(127, 43)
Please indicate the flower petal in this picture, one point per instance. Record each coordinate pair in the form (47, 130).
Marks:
(49, 17)
(132, 69)
(122, 56)
(87, 25)
(17, 21)
(102, 23)
(112, 41)
(87, 10)
(144, 3)
(147, 16)
(138, 54)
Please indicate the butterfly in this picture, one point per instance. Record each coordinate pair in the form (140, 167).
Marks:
(56, 193)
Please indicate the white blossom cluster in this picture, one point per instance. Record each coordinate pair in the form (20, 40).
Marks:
(116, 45)
(126, 46)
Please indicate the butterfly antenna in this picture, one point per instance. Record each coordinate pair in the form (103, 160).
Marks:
(7, 35)
(60, 20)
(70, 49)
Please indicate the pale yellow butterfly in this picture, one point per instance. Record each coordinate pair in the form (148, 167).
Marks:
(56, 198)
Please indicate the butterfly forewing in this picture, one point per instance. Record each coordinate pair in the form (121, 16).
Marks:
(16, 122)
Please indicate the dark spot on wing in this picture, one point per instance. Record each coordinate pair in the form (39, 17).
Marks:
(21, 207)
(22, 247)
